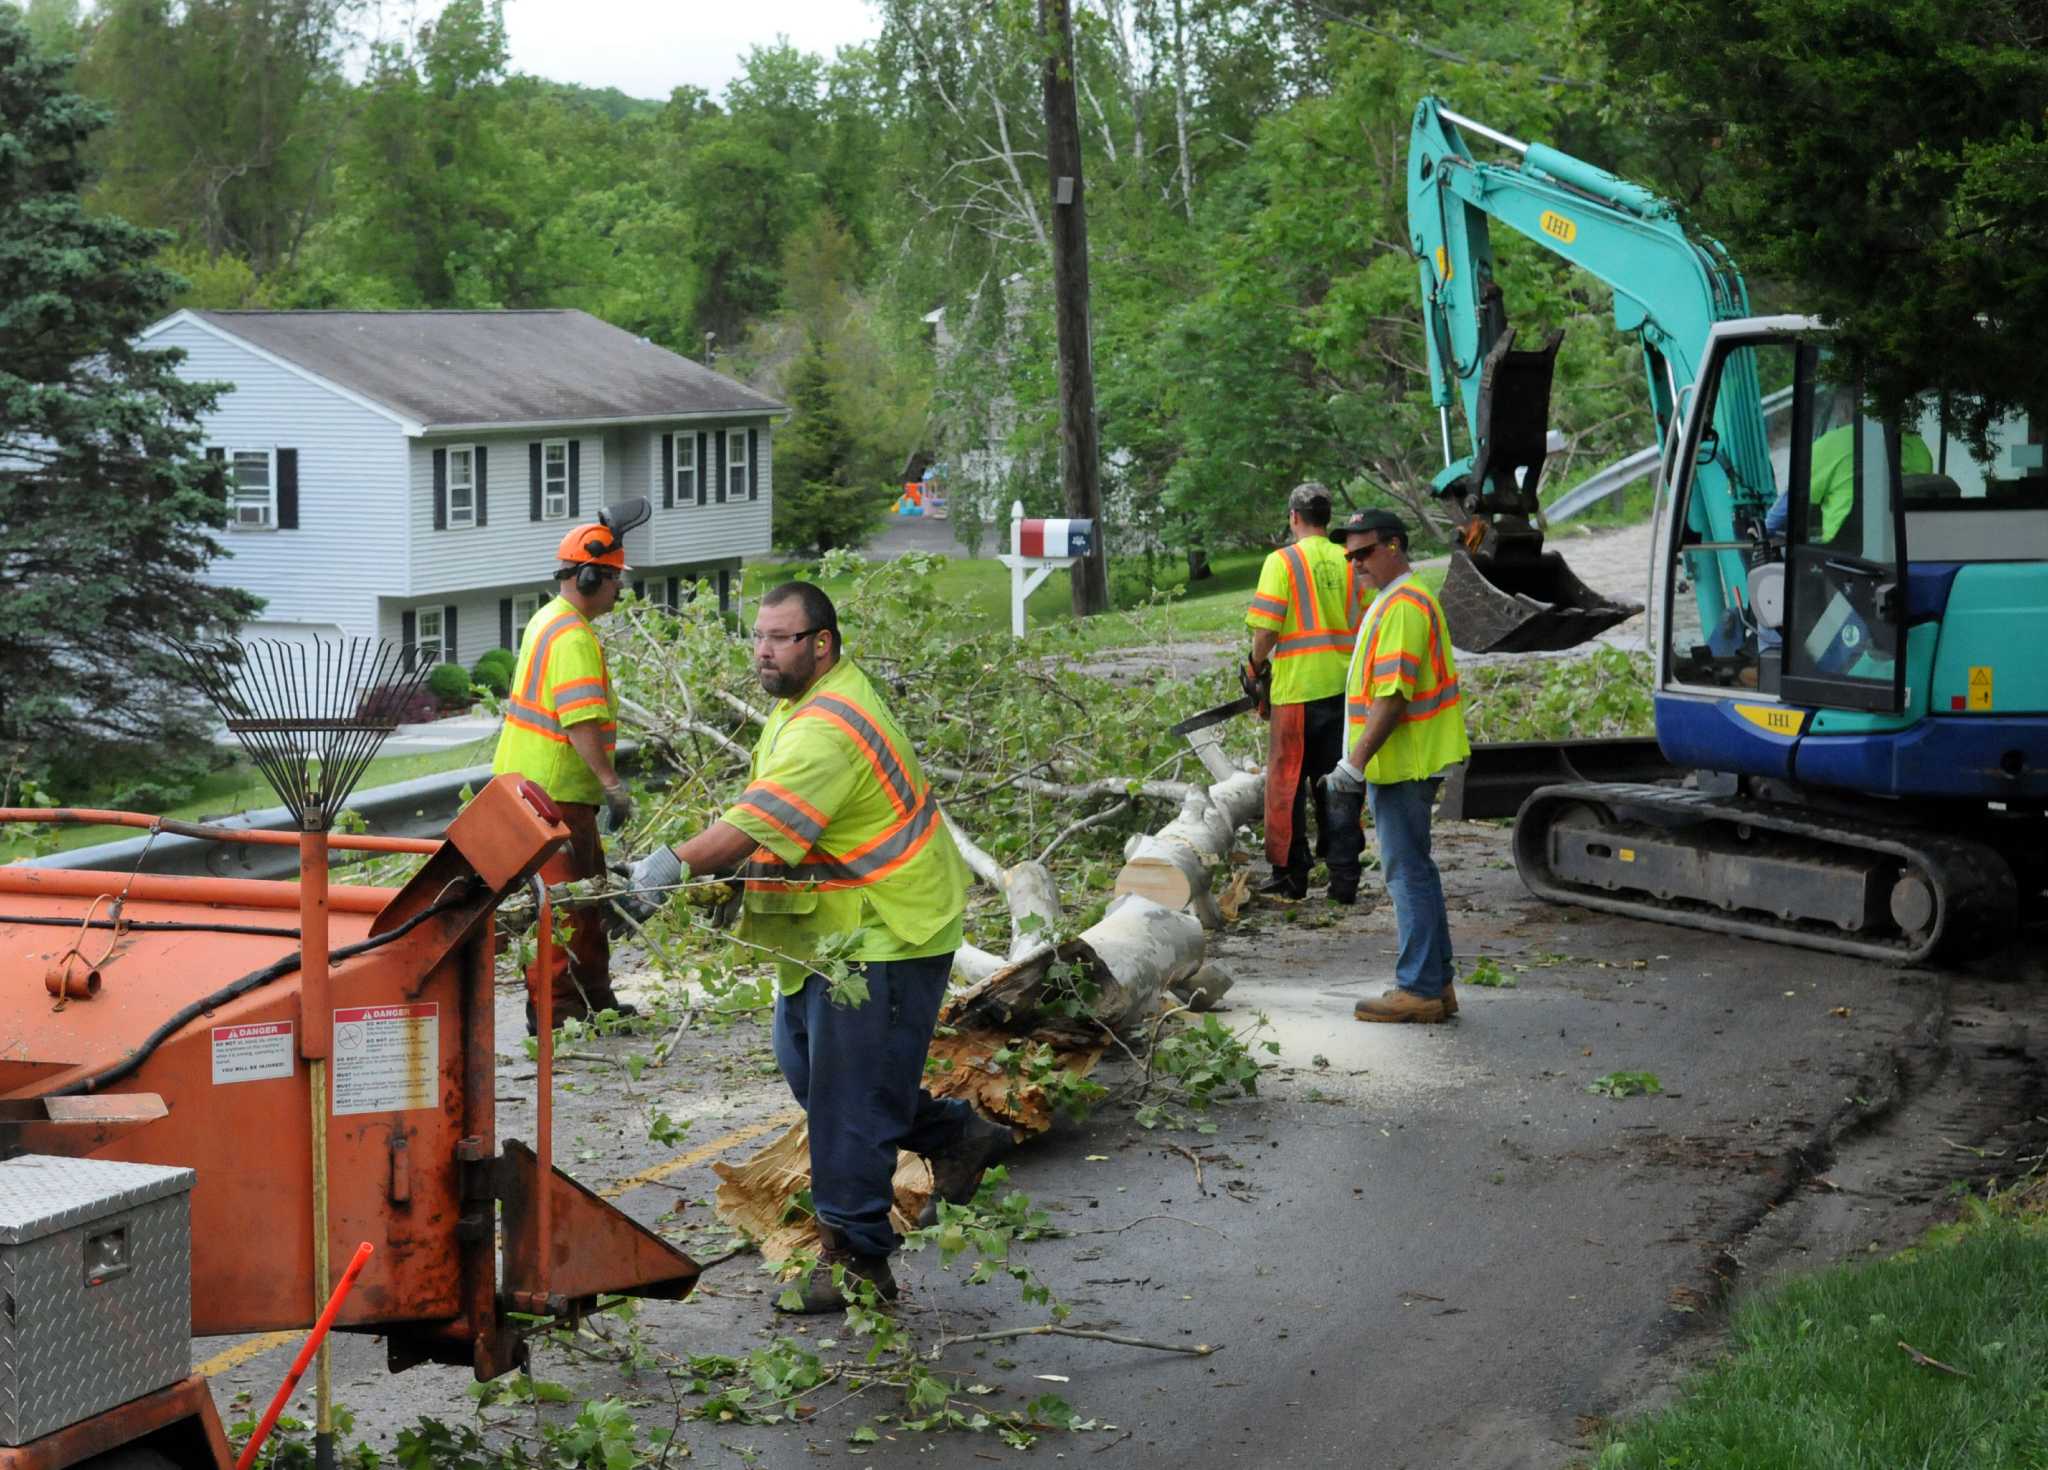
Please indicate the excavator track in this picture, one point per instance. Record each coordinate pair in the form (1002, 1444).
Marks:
(1763, 870)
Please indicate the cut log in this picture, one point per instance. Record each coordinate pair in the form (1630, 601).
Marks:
(1202, 990)
(1169, 873)
(1134, 954)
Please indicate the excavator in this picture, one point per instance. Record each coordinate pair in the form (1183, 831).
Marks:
(1851, 745)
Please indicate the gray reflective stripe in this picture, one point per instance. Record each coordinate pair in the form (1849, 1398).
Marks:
(533, 714)
(1315, 642)
(581, 689)
(1436, 699)
(880, 755)
(800, 824)
(907, 836)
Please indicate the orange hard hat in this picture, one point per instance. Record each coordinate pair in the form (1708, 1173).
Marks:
(593, 545)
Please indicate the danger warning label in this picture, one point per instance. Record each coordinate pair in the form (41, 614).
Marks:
(386, 1058)
(253, 1053)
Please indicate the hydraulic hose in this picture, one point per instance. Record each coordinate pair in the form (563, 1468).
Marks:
(254, 980)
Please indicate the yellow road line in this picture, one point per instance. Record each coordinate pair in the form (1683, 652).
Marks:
(243, 1351)
(256, 1347)
(702, 1152)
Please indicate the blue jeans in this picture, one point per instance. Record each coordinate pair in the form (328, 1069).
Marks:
(858, 1072)
(1400, 815)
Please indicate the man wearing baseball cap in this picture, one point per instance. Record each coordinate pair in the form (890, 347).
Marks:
(561, 724)
(1403, 729)
(1302, 618)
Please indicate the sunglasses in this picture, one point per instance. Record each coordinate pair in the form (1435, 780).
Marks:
(1360, 553)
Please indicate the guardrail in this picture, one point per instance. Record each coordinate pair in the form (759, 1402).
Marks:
(1624, 472)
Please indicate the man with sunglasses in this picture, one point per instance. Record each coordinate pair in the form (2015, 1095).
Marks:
(839, 843)
(1403, 728)
(561, 725)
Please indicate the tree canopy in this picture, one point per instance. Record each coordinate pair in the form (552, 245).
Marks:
(1880, 163)
(107, 507)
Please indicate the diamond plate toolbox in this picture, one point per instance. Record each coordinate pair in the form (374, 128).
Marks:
(95, 1288)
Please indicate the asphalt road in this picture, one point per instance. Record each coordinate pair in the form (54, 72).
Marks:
(1416, 1246)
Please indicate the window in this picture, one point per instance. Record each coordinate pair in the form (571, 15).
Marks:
(736, 464)
(462, 487)
(524, 607)
(252, 498)
(688, 490)
(429, 643)
(554, 479)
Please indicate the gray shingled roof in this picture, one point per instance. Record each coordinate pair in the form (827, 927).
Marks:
(493, 367)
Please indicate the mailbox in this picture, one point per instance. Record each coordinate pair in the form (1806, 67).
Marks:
(1051, 538)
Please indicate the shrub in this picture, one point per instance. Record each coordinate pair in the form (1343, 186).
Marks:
(494, 671)
(449, 683)
(391, 704)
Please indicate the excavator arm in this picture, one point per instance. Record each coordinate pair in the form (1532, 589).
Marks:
(1505, 592)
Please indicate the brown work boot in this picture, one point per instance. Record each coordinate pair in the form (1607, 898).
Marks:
(818, 1292)
(956, 1173)
(1399, 1005)
(1450, 999)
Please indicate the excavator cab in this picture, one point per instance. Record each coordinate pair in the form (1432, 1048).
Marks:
(1504, 593)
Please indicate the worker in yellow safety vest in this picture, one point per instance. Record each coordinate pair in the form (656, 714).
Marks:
(837, 837)
(1302, 619)
(561, 725)
(1404, 726)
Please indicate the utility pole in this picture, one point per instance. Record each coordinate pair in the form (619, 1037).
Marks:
(1079, 448)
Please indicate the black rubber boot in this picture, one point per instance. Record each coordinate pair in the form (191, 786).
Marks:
(1285, 883)
(957, 1172)
(819, 1293)
(1347, 840)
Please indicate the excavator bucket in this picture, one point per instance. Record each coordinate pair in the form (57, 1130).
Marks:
(1504, 592)
(1516, 599)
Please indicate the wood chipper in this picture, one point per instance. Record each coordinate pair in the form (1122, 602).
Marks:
(321, 1059)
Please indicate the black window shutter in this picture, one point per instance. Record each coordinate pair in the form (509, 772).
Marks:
(407, 636)
(668, 471)
(753, 464)
(703, 444)
(640, 587)
(448, 636)
(227, 488)
(287, 489)
(672, 591)
(575, 478)
(483, 509)
(440, 489)
(533, 464)
(720, 461)
(504, 622)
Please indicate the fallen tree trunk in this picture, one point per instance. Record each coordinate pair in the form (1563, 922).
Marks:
(1137, 951)
(1169, 873)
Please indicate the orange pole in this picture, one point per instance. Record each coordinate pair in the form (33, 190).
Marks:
(252, 836)
(298, 1370)
(240, 893)
(544, 1083)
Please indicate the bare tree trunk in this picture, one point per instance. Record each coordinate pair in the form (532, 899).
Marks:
(1180, 111)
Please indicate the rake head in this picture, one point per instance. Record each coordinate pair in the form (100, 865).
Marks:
(312, 715)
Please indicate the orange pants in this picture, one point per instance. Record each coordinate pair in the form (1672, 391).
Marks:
(581, 976)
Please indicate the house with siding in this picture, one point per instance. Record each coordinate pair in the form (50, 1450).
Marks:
(409, 474)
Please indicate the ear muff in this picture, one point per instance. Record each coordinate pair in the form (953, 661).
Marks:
(589, 578)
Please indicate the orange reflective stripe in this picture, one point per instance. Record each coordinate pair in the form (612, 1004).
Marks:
(870, 863)
(1432, 704)
(888, 766)
(1301, 590)
(1296, 644)
(580, 694)
(1267, 606)
(543, 645)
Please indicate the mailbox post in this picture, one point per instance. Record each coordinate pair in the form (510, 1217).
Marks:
(1037, 549)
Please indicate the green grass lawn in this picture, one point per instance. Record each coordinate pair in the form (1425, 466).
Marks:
(1211, 610)
(238, 788)
(1819, 1374)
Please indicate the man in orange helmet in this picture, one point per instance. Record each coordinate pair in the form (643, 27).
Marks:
(561, 724)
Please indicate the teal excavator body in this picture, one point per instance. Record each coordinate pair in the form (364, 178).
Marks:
(1852, 719)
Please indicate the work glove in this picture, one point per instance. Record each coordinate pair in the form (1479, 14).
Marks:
(1256, 679)
(1345, 778)
(653, 878)
(618, 807)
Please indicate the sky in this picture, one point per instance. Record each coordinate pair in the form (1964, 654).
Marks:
(646, 47)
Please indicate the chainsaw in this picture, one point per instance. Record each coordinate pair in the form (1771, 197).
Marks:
(1257, 684)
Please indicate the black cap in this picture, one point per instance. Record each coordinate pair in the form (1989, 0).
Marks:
(1381, 520)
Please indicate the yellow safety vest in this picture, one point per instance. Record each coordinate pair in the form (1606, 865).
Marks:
(561, 681)
(849, 832)
(1404, 651)
(1307, 595)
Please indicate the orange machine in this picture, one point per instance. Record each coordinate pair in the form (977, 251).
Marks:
(163, 1020)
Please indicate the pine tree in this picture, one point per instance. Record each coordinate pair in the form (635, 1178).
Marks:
(107, 505)
(821, 500)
